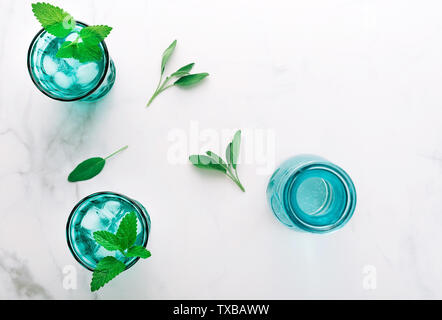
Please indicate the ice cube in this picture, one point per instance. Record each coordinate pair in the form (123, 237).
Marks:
(85, 242)
(106, 214)
(49, 65)
(91, 220)
(73, 63)
(87, 73)
(62, 80)
(66, 68)
(101, 252)
(112, 206)
(104, 219)
(113, 210)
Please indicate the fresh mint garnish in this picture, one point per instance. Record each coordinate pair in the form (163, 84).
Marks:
(108, 240)
(123, 241)
(54, 19)
(86, 47)
(138, 251)
(90, 168)
(127, 231)
(212, 161)
(107, 269)
(93, 35)
(184, 78)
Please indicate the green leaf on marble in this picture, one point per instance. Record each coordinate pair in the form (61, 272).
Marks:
(90, 168)
(190, 79)
(184, 78)
(166, 55)
(212, 161)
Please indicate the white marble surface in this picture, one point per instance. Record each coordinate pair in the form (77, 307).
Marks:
(356, 81)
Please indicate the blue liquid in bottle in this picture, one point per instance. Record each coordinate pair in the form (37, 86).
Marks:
(309, 193)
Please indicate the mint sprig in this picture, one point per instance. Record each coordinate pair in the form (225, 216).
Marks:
(124, 241)
(184, 78)
(212, 161)
(56, 21)
(90, 168)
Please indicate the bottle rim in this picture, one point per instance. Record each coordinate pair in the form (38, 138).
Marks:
(350, 192)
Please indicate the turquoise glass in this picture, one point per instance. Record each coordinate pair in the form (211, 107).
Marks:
(310, 193)
(103, 211)
(68, 79)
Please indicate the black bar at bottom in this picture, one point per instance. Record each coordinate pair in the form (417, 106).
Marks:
(225, 309)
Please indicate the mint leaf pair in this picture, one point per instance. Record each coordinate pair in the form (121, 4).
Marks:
(88, 49)
(212, 161)
(185, 79)
(59, 23)
(124, 241)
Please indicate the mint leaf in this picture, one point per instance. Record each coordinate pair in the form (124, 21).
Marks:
(88, 53)
(93, 35)
(53, 19)
(190, 80)
(68, 49)
(107, 269)
(90, 168)
(80, 51)
(127, 230)
(138, 251)
(183, 70)
(108, 240)
(232, 151)
(166, 55)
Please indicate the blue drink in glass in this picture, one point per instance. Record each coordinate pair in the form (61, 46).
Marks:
(309, 193)
(68, 79)
(103, 211)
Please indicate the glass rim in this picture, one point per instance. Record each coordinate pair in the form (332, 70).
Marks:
(350, 191)
(68, 225)
(103, 76)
